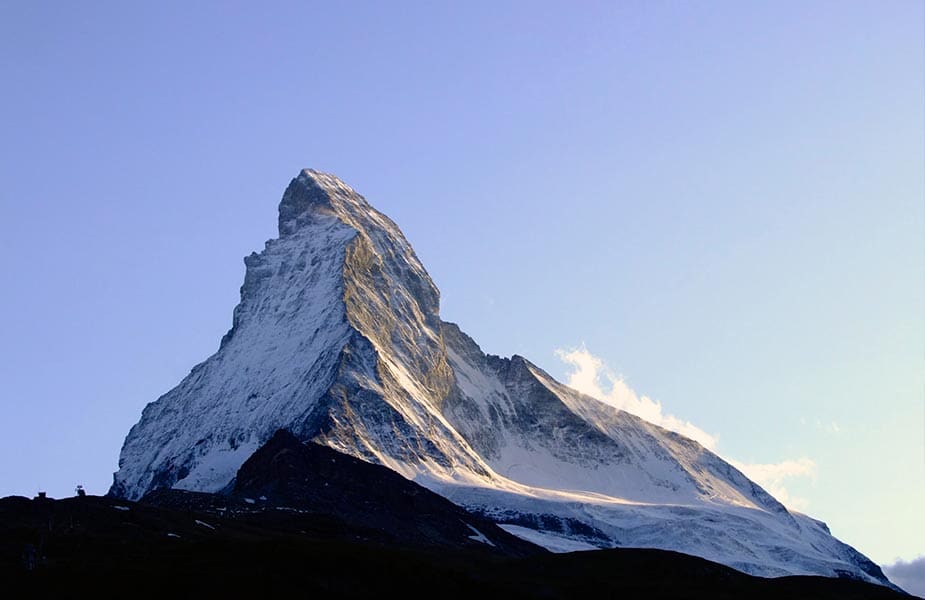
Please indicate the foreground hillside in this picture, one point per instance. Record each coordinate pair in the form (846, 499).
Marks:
(118, 548)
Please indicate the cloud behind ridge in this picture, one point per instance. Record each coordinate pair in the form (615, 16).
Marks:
(591, 376)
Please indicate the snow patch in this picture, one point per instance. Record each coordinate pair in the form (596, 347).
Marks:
(479, 536)
(215, 469)
(550, 541)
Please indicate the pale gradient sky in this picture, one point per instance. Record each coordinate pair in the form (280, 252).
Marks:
(723, 202)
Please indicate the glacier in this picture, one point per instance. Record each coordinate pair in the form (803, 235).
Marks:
(337, 337)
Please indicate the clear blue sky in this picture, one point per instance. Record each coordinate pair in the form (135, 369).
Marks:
(723, 201)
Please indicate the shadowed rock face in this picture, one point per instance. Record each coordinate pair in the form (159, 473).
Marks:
(285, 472)
(337, 339)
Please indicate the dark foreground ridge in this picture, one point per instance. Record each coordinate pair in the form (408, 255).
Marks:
(286, 482)
(119, 548)
(304, 520)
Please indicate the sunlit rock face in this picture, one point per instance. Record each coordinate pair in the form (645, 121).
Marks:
(338, 339)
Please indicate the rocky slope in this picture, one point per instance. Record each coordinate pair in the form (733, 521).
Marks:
(338, 339)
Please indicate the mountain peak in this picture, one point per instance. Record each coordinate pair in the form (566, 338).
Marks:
(338, 339)
(313, 192)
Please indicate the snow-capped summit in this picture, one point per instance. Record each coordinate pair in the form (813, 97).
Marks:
(338, 339)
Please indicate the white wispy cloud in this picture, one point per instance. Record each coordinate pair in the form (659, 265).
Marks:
(591, 376)
(831, 427)
(773, 477)
(910, 575)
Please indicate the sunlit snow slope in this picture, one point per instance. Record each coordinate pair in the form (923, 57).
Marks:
(338, 338)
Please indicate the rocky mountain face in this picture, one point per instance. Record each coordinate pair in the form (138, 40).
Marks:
(338, 339)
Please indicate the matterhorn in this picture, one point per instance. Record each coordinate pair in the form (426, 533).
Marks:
(338, 339)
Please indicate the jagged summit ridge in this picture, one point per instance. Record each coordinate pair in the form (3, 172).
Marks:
(313, 192)
(337, 338)
(305, 194)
